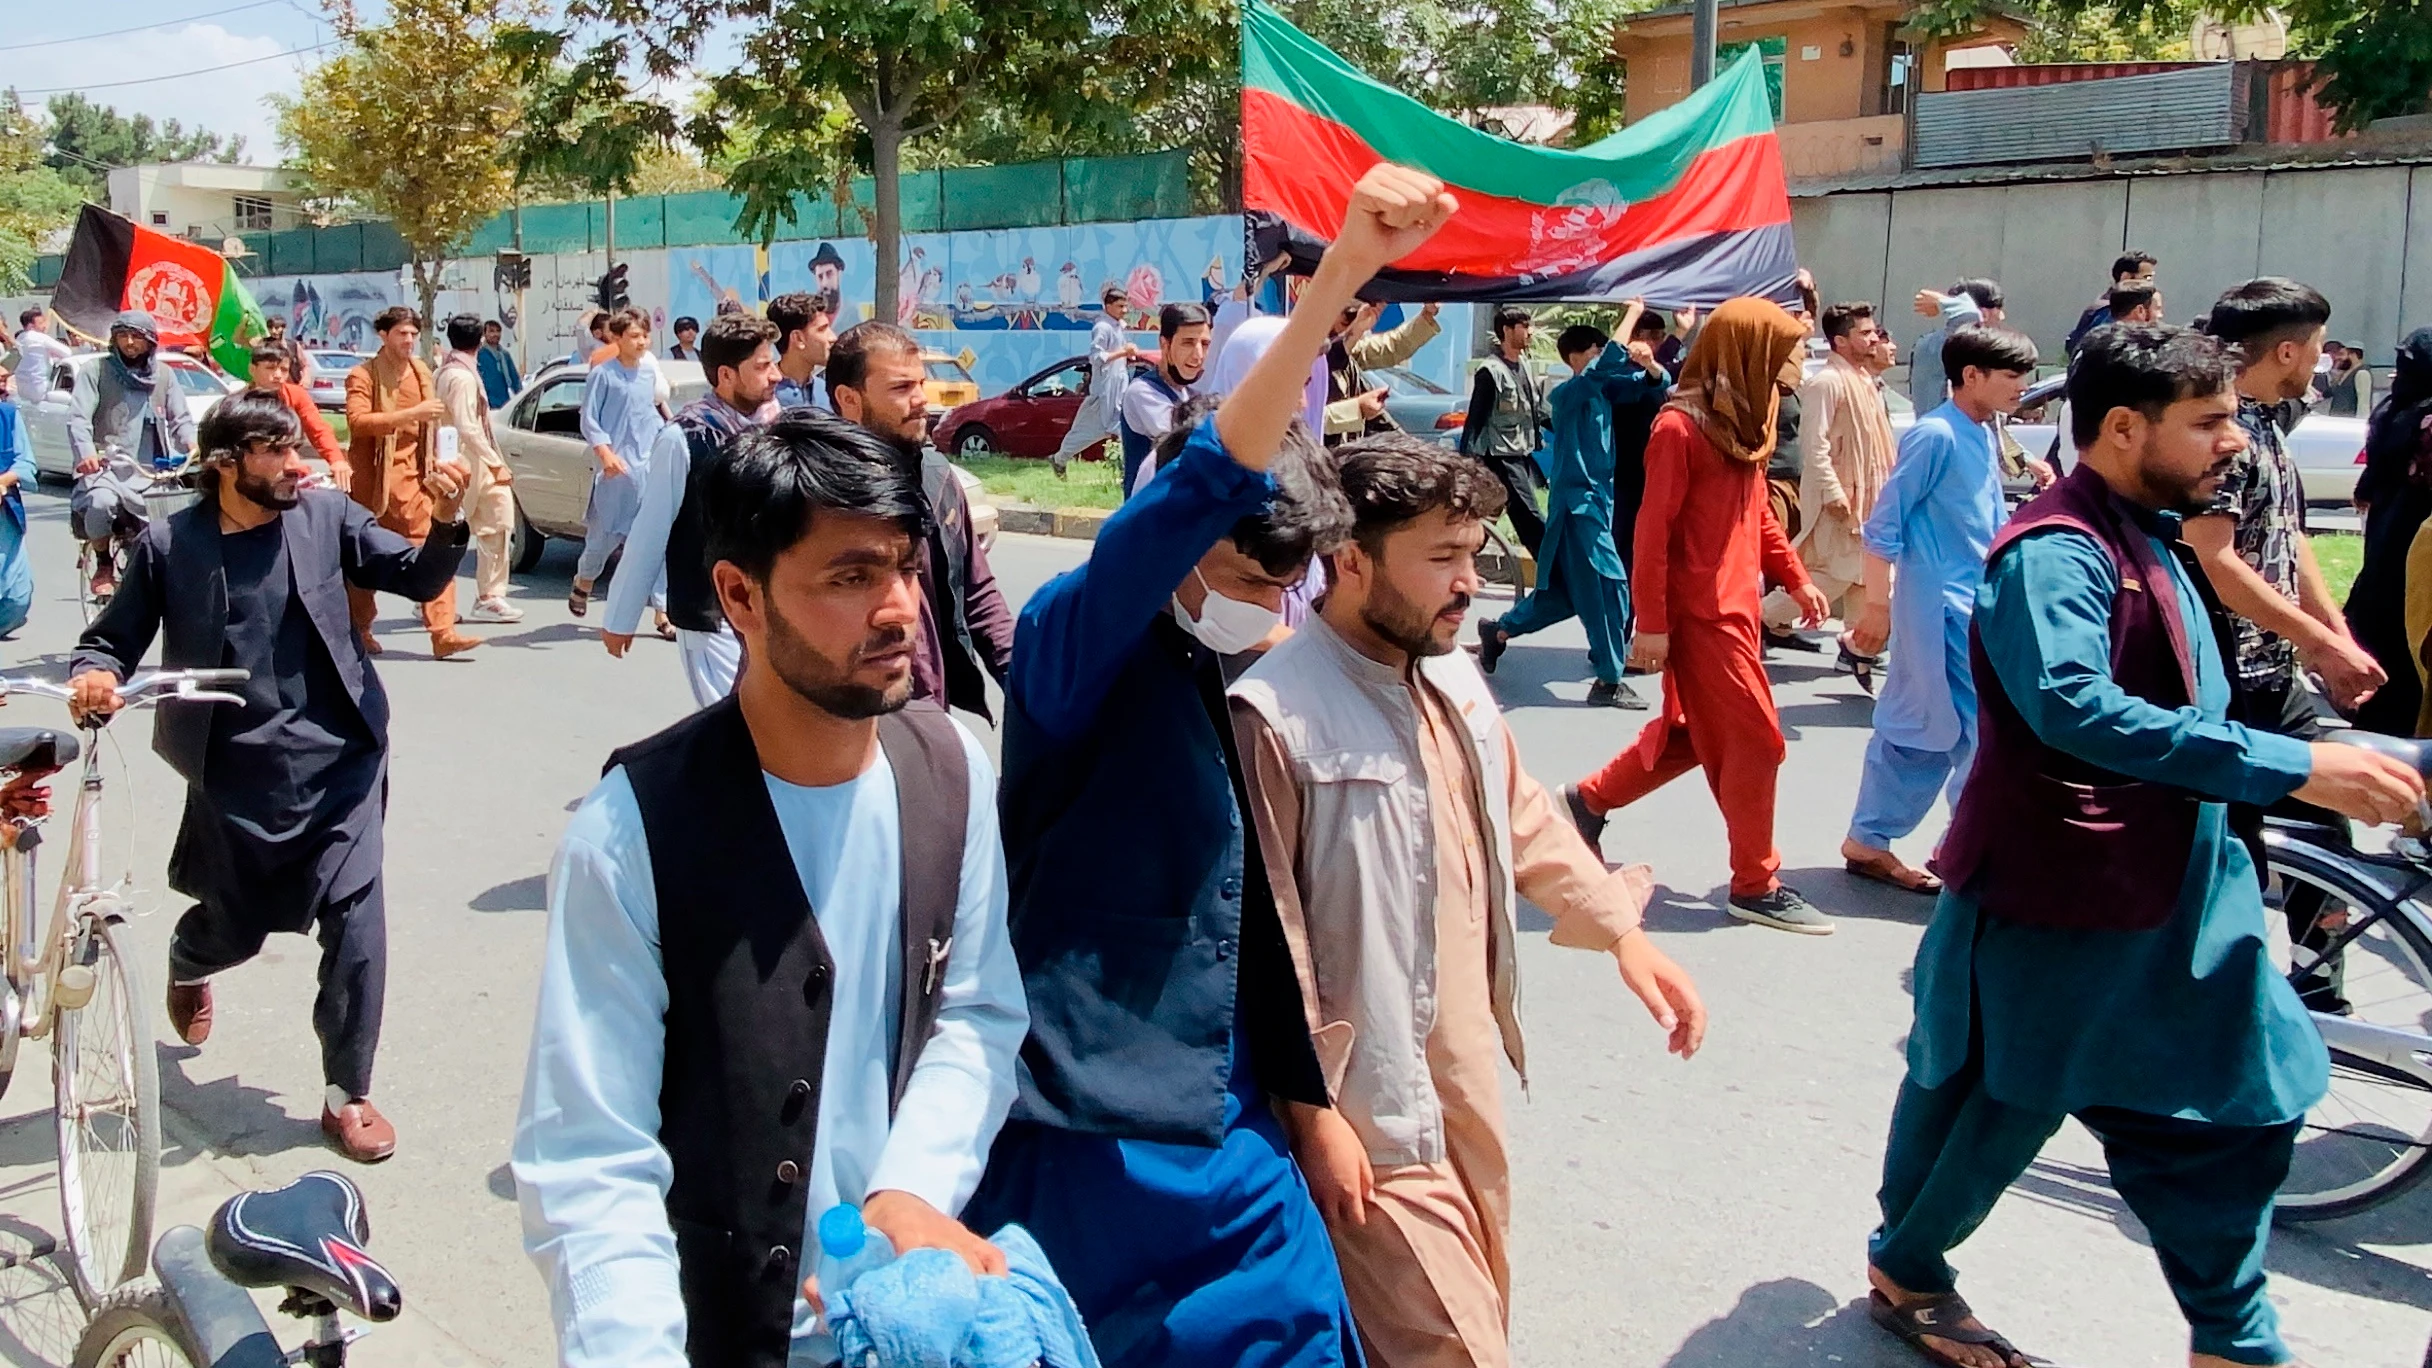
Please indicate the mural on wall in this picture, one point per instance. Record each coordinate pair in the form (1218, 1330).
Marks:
(333, 311)
(1005, 303)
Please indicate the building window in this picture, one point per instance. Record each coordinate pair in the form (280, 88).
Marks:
(1900, 69)
(160, 218)
(252, 214)
(1775, 51)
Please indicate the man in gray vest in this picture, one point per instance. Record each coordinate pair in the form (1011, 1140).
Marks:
(1508, 418)
(777, 975)
(126, 417)
(1404, 931)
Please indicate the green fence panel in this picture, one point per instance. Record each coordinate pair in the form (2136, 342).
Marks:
(557, 228)
(291, 252)
(641, 224)
(492, 237)
(46, 271)
(383, 249)
(815, 216)
(1028, 195)
(337, 248)
(702, 218)
(1120, 189)
(921, 197)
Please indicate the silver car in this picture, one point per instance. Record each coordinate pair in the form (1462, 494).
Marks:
(200, 387)
(540, 433)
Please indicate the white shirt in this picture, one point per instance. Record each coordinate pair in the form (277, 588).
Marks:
(37, 352)
(589, 1168)
(1106, 370)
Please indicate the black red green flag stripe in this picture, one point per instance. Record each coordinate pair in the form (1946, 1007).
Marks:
(191, 291)
(1685, 207)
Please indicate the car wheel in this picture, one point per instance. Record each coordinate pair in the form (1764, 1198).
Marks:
(524, 544)
(974, 440)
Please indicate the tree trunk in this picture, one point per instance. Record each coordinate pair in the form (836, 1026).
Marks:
(426, 286)
(887, 208)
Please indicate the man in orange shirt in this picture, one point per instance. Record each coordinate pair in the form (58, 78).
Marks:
(270, 376)
(1705, 532)
(393, 417)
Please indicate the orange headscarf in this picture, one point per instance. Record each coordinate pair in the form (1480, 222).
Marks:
(1729, 385)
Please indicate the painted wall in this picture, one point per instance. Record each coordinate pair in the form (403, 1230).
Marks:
(2050, 244)
(1009, 303)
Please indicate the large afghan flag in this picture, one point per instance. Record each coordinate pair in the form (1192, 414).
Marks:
(191, 291)
(1685, 207)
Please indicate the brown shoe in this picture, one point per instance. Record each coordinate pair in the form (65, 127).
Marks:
(371, 644)
(190, 1011)
(452, 644)
(360, 1132)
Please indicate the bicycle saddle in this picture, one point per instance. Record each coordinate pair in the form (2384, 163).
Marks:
(308, 1235)
(36, 748)
(2415, 754)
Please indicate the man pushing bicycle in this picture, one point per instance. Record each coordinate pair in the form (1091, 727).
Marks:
(127, 420)
(285, 796)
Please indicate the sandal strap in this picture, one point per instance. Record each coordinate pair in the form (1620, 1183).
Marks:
(1939, 1318)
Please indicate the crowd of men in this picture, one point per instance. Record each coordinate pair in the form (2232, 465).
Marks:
(806, 946)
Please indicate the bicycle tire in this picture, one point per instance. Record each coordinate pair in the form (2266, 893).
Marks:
(2331, 873)
(137, 1326)
(124, 1153)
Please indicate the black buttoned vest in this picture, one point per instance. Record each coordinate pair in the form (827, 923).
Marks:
(749, 988)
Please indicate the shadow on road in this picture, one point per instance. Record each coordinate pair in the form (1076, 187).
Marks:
(1787, 1322)
(229, 1117)
(2328, 1254)
(40, 1316)
(1843, 894)
(527, 894)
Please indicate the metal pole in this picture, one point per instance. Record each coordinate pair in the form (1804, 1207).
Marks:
(1702, 25)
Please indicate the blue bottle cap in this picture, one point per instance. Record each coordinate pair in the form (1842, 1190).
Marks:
(841, 1232)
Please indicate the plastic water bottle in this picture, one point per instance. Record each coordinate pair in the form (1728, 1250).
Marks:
(848, 1248)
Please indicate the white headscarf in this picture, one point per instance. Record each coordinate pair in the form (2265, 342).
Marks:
(1242, 350)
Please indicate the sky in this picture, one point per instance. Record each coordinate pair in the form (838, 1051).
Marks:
(49, 47)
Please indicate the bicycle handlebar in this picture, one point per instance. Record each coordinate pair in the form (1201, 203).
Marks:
(146, 688)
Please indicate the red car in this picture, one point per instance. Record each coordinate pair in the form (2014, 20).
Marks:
(1028, 420)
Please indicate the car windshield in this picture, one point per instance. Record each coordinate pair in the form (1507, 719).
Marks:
(1402, 380)
(198, 382)
(947, 368)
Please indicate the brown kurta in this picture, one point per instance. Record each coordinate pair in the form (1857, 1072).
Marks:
(1429, 1275)
(388, 456)
(1846, 449)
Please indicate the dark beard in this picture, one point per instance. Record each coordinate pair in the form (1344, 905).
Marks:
(824, 685)
(1405, 625)
(267, 492)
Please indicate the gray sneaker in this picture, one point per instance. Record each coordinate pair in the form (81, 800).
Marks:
(1590, 824)
(1783, 910)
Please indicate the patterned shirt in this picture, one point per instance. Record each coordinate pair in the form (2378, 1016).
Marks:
(2262, 492)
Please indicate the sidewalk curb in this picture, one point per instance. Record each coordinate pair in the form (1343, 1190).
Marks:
(1078, 524)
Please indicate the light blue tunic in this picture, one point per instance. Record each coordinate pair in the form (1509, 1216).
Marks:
(1934, 522)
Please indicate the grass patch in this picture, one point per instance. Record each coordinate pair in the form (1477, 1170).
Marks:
(2339, 554)
(1089, 484)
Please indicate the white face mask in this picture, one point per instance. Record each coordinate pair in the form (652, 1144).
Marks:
(1226, 626)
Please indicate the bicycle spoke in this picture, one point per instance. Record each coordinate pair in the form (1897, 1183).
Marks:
(108, 1124)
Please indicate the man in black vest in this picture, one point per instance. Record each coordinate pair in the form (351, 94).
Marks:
(285, 795)
(739, 355)
(777, 975)
(876, 378)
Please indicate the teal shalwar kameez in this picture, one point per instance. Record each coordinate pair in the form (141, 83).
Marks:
(2181, 1048)
(1579, 573)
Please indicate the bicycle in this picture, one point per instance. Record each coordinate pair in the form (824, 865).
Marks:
(2362, 964)
(72, 982)
(165, 489)
(306, 1237)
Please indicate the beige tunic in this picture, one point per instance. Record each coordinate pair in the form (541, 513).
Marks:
(1428, 1274)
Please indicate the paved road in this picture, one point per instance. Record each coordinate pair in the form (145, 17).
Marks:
(1706, 1215)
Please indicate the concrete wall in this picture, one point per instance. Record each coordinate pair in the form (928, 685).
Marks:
(2350, 232)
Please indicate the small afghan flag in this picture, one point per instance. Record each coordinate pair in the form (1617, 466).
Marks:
(192, 292)
(1687, 207)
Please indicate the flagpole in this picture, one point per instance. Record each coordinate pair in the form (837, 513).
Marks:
(1703, 22)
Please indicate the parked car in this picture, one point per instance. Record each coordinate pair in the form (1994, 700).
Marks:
(328, 383)
(49, 433)
(2328, 450)
(1029, 420)
(1422, 407)
(950, 384)
(540, 433)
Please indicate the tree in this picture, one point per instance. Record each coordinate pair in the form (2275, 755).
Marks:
(35, 200)
(86, 139)
(821, 86)
(411, 121)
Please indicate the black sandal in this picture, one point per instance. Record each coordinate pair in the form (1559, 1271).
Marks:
(1938, 1318)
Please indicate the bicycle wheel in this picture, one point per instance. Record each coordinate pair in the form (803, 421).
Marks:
(108, 1085)
(136, 1327)
(2370, 1138)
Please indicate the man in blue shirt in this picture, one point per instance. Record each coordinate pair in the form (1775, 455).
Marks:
(2100, 952)
(1934, 521)
(1143, 1151)
(806, 333)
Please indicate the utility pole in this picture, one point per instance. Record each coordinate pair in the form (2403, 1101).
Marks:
(1702, 24)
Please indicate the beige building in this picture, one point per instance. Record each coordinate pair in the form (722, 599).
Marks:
(1843, 75)
(206, 201)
